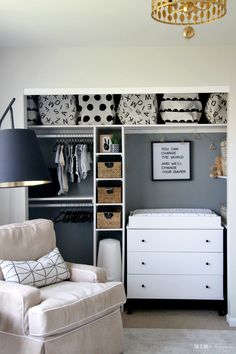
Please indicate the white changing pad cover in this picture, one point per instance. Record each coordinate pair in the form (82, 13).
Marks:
(173, 218)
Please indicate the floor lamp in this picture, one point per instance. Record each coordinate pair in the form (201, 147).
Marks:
(21, 160)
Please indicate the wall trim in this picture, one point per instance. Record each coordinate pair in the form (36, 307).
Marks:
(231, 321)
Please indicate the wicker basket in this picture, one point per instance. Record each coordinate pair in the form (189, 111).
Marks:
(109, 169)
(108, 220)
(109, 194)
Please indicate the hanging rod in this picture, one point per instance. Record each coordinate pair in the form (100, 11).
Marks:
(65, 136)
(60, 205)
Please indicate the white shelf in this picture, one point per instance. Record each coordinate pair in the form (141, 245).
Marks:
(176, 128)
(109, 154)
(222, 177)
(191, 128)
(109, 179)
(109, 204)
(64, 198)
(120, 229)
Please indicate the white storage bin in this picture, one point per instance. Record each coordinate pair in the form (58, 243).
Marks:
(109, 257)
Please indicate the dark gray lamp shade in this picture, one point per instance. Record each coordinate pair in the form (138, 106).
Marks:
(21, 160)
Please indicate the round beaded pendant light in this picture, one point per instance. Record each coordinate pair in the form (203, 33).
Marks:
(188, 13)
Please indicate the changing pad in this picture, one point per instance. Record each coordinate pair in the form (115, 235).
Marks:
(174, 218)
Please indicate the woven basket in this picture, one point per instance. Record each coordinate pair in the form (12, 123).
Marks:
(109, 194)
(108, 220)
(109, 169)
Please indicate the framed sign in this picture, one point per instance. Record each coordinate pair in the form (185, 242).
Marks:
(105, 142)
(170, 161)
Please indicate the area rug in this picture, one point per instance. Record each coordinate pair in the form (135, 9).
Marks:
(179, 341)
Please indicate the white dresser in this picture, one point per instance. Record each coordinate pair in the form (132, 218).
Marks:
(175, 254)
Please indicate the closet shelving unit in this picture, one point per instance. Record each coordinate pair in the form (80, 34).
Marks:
(55, 131)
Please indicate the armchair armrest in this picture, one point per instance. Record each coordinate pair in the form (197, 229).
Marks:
(15, 301)
(86, 273)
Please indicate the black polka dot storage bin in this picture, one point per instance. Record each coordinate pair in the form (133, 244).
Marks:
(96, 109)
(216, 108)
(57, 109)
(181, 108)
(138, 109)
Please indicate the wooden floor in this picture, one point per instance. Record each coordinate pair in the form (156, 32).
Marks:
(175, 318)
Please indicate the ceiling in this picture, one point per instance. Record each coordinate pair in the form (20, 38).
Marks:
(72, 23)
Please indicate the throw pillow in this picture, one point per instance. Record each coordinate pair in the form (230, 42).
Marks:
(96, 109)
(216, 108)
(47, 270)
(32, 110)
(57, 109)
(138, 109)
(181, 108)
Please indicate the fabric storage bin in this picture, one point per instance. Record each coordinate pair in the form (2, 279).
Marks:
(96, 109)
(109, 169)
(108, 220)
(32, 111)
(138, 109)
(57, 109)
(216, 108)
(109, 194)
(181, 108)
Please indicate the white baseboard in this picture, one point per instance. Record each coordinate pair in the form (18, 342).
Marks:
(231, 321)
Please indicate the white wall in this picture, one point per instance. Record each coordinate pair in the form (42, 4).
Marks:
(119, 67)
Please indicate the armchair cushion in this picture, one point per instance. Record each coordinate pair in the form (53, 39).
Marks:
(15, 301)
(69, 305)
(86, 273)
(47, 270)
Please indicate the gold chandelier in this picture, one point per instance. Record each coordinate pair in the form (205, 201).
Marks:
(188, 13)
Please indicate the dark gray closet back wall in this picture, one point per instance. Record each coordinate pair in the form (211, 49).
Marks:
(200, 192)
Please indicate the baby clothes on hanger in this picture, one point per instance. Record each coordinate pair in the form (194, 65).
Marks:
(86, 161)
(70, 157)
(61, 172)
(73, 164)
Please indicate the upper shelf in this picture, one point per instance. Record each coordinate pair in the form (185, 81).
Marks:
(191, 128)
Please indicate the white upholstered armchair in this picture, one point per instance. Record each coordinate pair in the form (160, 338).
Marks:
(80, 315)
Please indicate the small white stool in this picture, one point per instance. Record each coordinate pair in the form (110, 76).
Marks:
(109, 257)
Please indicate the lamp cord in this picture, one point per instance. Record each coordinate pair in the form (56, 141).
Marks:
(9, 108)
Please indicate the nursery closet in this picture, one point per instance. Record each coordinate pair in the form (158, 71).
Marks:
(82, 214)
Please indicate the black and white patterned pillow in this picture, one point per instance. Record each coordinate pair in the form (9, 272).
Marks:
(181, 108)
(216, 108)
(32, 110)
(57, 109)
(138, 109)
(96, 109)
(47, 270)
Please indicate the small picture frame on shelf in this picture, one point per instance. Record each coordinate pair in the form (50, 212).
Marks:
(171, 161)
(105, 143)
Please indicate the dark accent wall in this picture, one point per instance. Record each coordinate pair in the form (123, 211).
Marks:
(200, 192)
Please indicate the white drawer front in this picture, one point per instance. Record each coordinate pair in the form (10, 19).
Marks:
(175, 287)
(175, 263)
(175, 240)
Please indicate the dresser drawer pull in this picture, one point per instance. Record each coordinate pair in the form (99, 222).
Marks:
(207, 263)
(143, 263)
(143, 240)
(208, 287)
(208, 241)
(143, 286)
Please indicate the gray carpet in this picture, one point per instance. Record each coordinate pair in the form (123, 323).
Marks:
(179, 341)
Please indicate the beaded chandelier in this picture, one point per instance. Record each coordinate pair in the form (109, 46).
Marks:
(188, 13)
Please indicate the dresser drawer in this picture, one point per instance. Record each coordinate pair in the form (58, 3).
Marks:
(175, 287)
(174, 263)
(175, 240)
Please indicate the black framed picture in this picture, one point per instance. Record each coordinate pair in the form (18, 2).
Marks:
(171, 161)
